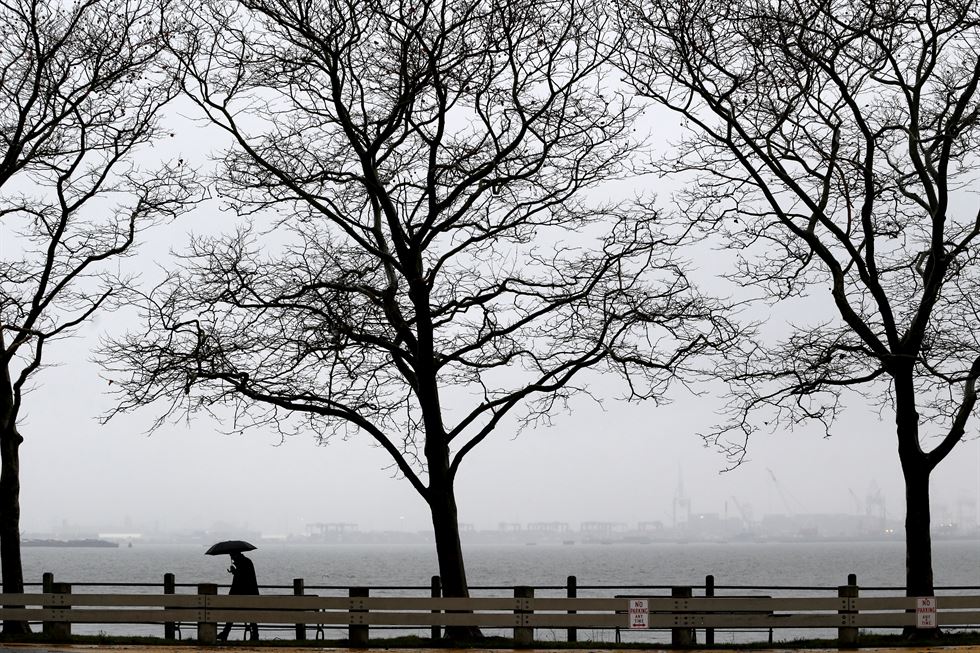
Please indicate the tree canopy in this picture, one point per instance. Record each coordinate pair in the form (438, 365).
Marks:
(81, 89)
(834, 148)
(428, 255)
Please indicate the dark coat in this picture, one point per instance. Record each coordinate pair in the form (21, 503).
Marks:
(243, 577)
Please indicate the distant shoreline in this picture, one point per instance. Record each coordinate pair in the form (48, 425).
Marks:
(75, 544)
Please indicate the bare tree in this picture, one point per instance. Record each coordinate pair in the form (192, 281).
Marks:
(833, 145)
(431, 261)
(80, 89)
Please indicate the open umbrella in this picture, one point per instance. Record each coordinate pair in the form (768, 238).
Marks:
(229, 546)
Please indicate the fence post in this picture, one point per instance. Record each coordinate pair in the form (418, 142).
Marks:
(47, 580)
(357, 633)
(847, 635)
(299, 588)
(572, 592)
(682, 636)
(207, 631)
(709, 591)
(61, 630)
(169, 587)
(436, 592)
(523, 635)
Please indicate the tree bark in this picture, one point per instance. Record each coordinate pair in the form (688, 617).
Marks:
(918, 540)
(918, 536)
(441, 493)
(10, 562)
(445, 524)
(916, 469)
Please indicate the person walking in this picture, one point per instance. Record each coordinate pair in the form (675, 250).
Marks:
(243, 582)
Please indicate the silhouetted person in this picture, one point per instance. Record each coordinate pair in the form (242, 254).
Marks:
(242, 582)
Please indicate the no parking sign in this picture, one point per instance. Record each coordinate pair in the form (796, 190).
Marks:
(639, 612)
(925, 612)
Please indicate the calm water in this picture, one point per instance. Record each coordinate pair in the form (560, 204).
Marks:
(331, 567)
(818, 564)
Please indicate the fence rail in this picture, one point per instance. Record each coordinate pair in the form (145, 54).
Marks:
(57, 608)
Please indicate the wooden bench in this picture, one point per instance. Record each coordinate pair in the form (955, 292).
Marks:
(766, 613)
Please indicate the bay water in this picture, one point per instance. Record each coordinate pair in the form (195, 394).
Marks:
(776, 569)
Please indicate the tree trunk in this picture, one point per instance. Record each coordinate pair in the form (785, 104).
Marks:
(446, 529)
(918, 541)
(452, 571)
(10, 439)
(441, 493)
(10, 563)
(916, 469)
(918, 536)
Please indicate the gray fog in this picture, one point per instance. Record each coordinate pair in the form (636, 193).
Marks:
(618, 462)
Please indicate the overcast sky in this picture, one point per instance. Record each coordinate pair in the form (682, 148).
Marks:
(622, 463)
(617, 463)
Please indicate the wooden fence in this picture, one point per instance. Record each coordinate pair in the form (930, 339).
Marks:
(681, 614)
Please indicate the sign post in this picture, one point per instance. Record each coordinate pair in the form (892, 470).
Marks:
(925, 612)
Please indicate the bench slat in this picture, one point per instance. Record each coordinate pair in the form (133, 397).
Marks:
(746, 620)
